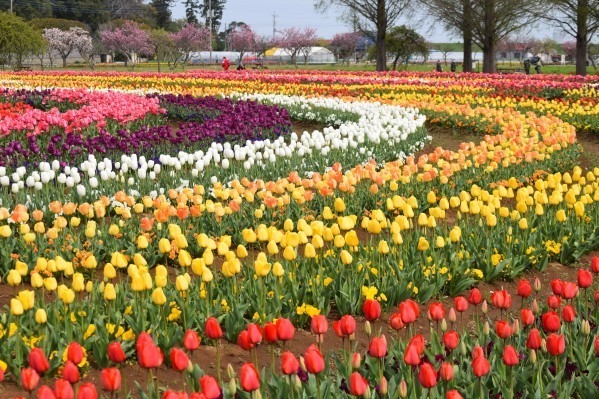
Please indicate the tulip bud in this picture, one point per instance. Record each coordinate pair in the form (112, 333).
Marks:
(189, 367)
(303, 364)
(232, 387)
(533, 356)
(443, 325)
(484, 307)
(403, 389)
(486, 328)
(463, 349)
(368, 328)
(544, 345)
(452, 316)
(383, 386)
(298, 382)
(356, 361)
(230, 371)
(537, 284)
(516, 327)
(257, 394)
(366, 394)
(585, 328)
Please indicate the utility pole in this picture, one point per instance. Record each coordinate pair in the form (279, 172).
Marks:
(274, 24)
(210, 26)
(11, 6)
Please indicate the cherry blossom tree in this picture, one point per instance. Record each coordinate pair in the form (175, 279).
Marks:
(189, 39)
(65, 41)
(295, 41)
(243, 40)
(569, 48)
(130, 40)
(345, 45)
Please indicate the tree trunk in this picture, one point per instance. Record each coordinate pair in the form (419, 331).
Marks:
(489, 38)
(381, 34)
(64, 61)
(158, 60)
(581, 37)
(467, 35)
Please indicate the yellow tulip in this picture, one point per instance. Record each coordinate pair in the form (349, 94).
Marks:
(50, 284)
(118, 260)
(29, 238)
(318, 242)
(164, 245)
(579, 208)
(22, 268)
(137, 283)
(181, 241)
(14, 278)
(40, 316)
(346, 222)
(184, 258)
(16, 307)
(68, 296)
(37, 280)
(27, 298)
(142, 242)
(560, 215)
(181, 283)
(423, 244)
(346, 257)
(78, 283)
(491, 220)
(309, 251)
(241, 252)
(262, 267)
(289, 253)
(374, 227)
(109, 271)
(5, 231)
(208, 257)
(288, 225)
(158, 297)
(439, 242)
(114, 230)
(90, 262)
(207, 275)
(327, 213)
(339, 205)
(278, 270)
(383, 247)
(431, 197)
(272, 248)
(109, 292)
(523, 224)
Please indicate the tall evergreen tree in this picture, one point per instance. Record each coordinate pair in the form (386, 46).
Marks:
(217, 11)
(90, 12)
(162, 12)
(28, 9)
(191, 9)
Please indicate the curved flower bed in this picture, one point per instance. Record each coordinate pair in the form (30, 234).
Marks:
(326, 231)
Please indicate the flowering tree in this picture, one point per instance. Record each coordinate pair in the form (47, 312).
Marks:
(295, 41)
(130, 39)
(189, 39)
(243, 39)
(65, 41)
(344, 45)
(569, 48)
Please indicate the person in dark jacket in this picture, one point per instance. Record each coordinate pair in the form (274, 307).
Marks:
(439, 67)
(453, 66)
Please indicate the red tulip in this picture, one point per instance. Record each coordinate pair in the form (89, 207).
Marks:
(409, 311)
(270, 333)
(75, 352)
(501, 299)
(348, 325)
(357, 384)
(63, 389)
(436, 311)
(510, 356)
(427, 376)
(314, 360)
(446, 372)
(143, 339)
(319, 324)
(527, 317)
(250, 379)
(554, 301)
(524, 288)
(411, 356)
(289, 363)
(556, 344)
(197, 395)
(371, 309)
(212, 329)
(597, 345)
(179, 359)
(396, 322)
(480, 366)
(37, 361)
(596, 296)
(569, 290)
(111, 379)
(595, 264)
(534, 339)
(115, 352)
(378, 347)
(243, 340)
(585, 278)
(460, 303)
(170, 394)
(451, 340)
(191, 340)
(285, 329)
(70, 372)
(337, 329)
(210, 387)
(150, 356)
(477, 351)
(503, 329)
(356, 361)
(556, 287)
(453, 394)
(44, 392)
(29, 379)
(418, 342)
(550, 321)
(568, 314)
(254, 334)
(1, 374)
(87, 391)
(475, 297)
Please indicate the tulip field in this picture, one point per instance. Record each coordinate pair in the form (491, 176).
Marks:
(174, 236)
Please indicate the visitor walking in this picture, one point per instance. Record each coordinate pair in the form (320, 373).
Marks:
(439, 67)
(538, 67)
(453, 66)
(225, 64)
(527, 66)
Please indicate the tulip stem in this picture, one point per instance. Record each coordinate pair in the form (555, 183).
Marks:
(511, 383)
(272, 354)
(220, 380)
(318, 387)
(291, 387)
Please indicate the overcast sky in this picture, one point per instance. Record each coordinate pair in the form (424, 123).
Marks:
(293, 13)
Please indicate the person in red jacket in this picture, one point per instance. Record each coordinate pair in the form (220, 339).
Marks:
(225, 64)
